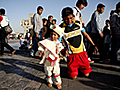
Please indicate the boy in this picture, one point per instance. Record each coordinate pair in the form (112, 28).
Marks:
(72, 37)
(80, 5)
(107, 40)
(49, 50)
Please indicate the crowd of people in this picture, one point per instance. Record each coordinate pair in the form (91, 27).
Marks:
(50, 42)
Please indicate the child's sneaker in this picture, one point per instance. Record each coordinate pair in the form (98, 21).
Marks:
(59, 86)
(49, 84)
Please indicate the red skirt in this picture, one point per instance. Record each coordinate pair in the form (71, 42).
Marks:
(79, 60)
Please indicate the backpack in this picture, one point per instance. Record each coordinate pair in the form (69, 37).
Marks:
(88, 27)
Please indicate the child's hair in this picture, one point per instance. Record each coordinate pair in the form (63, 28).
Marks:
(67, 11)
(50, 16)
(44, 19)
(79, 2)
(54, 20)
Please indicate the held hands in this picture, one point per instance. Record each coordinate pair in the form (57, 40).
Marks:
(41, 53)
(66, 53)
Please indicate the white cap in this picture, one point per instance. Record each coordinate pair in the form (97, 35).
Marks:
(57, 29)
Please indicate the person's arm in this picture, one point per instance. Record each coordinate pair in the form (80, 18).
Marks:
(97, 22)
(88, 38)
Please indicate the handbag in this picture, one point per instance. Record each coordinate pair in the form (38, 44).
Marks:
(7, 29)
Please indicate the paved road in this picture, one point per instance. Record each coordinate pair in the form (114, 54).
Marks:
(20, 72)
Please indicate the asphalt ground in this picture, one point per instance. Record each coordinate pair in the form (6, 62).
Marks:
(21, 72)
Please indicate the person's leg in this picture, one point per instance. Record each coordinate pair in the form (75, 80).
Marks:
(2, 47)
(8, 47)
(34, 47)
(100, 45)
(84, 64)
(56, 72)
(2, 39)
(48, 72)
(114, 48)
(72, 66)
(94, 38)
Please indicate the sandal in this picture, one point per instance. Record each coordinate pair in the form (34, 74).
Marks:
(87, 74)
(59, 86)
(49, 84)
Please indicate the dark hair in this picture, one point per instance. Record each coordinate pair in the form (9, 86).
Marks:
(54, 20)
(111, 12)
(100, 6)
(39, 7)
(50, 16)
(107, 20)
(117, 5)
(44, 19)
(84, 2)
(2, 11)
(67, 11)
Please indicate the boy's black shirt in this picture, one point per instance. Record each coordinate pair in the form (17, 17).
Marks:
(74, 41)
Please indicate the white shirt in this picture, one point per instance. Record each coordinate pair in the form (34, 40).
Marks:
(5, 21)
(77, 14)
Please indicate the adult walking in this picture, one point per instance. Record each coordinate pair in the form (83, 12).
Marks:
(4, 21)
(37, 29)
(115, 28)
(96, 32)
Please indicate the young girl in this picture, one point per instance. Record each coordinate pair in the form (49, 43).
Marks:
(49, 49)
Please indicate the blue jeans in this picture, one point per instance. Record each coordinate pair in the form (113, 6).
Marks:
(114, 48)
(35, 44)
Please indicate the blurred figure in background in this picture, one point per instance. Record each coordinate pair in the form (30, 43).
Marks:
(115, 28)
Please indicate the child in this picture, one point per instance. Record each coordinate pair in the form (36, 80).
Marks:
(78, 57)
(49, 50)
(23, 43)
(107, 40)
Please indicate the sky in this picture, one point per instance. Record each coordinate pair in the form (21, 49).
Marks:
(17, 10)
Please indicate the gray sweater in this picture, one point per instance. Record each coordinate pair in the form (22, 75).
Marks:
(95, 23)
(37, 23)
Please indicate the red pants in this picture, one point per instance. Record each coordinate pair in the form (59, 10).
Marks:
(79, 60)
